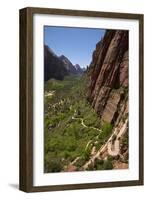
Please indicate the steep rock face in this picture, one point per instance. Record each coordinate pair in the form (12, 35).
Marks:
(58, 67)
(72, 69)
(108, 76)
(79, 70)
(68, 65)
(53, 66)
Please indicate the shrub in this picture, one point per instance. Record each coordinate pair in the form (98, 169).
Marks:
(70, 145)
(53, 165)
(66, 154)
(98, 146)
(108, 165)
(91, 119)
(90, 167)
(80, 162)
(98, 164)
(102, 164)
(125, 140)
(110, 158)
(87, 153)
(106, 131)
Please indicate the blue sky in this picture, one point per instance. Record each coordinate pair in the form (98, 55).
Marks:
(77, 44)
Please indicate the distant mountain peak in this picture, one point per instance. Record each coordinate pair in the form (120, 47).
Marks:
(77, 66)
(53, 66)
(63, 57)
(65, 60)
(73, 69)
(50, 50)
(58, 66)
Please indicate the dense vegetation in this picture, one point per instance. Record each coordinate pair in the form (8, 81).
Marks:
(71, 126)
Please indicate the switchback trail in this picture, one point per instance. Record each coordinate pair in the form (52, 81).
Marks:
(109, 141)
(84, 125)
(116, 144)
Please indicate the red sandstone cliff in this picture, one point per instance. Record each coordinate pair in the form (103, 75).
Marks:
(108, 76)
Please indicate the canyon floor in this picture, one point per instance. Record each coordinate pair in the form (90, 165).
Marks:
(75, 138)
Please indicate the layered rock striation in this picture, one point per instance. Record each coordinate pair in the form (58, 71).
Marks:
(108, 77)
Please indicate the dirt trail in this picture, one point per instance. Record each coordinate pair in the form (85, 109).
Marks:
(84, 125)
(110, 151)
(116, 144)
(89, 142)
(50, 93)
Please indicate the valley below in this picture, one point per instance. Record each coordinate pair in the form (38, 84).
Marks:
(74, 134)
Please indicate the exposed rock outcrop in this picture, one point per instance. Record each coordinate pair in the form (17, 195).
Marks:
(68, 65)
(108, 76)
(79, 70)
(72, 69)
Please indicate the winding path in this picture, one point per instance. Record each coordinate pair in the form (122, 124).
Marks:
(89, 142)
(113, 149)
(110, 151)
(84, 125)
